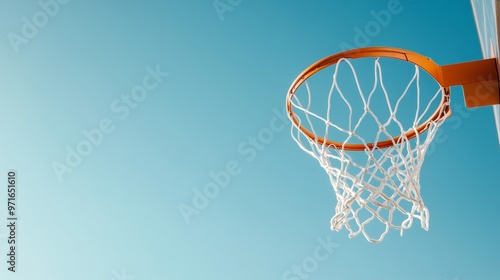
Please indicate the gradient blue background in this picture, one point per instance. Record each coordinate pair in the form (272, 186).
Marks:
(119, 209)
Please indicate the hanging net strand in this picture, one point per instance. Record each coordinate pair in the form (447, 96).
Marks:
(379, 181)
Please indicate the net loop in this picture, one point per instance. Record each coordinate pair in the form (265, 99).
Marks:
(377, 183)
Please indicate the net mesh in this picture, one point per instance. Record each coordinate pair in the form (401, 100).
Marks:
(374, 184)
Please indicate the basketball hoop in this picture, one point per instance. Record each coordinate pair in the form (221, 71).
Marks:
(375, 179)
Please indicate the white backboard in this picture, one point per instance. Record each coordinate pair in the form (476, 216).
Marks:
(485, 13)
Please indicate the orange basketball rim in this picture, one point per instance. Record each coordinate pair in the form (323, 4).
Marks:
(479, 79)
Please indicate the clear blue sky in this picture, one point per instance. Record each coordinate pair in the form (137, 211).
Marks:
(117, 113)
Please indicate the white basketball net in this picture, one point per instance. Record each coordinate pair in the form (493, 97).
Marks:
(386, 184)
